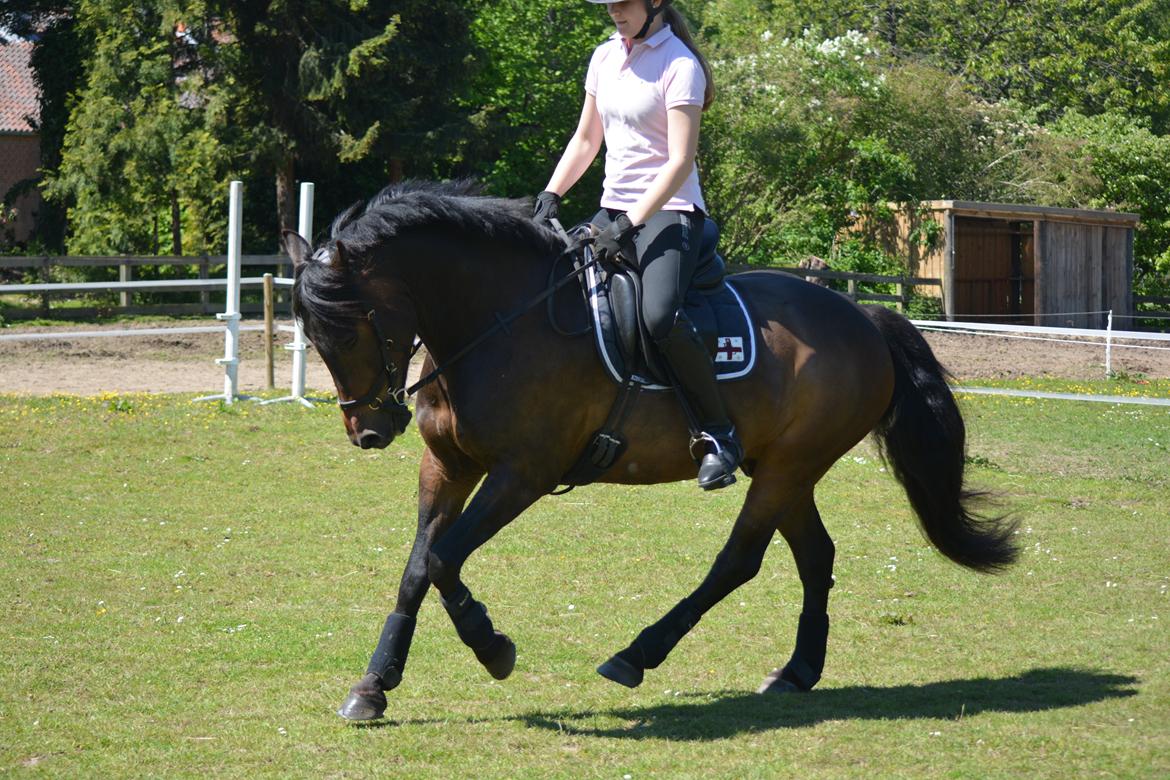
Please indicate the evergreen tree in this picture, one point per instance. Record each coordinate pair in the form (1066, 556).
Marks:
(142, 161)
(352, 94)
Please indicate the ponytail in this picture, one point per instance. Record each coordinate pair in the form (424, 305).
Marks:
(678, 25)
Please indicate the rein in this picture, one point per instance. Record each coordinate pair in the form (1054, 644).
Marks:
(375, 398)
(502, 322)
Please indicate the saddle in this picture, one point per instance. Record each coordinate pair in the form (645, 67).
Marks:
(712, 304)
(614, 299)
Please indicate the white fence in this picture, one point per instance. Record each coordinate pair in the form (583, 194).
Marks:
(1107, 339)
(230, 316)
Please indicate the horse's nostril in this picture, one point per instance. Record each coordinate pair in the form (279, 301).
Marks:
(369, 439)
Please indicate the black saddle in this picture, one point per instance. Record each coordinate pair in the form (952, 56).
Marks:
(712, 304)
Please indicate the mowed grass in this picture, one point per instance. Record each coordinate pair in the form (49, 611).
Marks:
(189, 590)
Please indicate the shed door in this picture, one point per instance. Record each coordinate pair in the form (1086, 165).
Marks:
(1085, 273)
(994, 269)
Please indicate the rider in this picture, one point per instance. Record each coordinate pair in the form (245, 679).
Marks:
(645, 91)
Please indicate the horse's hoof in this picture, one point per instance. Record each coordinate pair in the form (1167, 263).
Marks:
(366, 701)
(503, 660)
(621, 671)
(774, 683)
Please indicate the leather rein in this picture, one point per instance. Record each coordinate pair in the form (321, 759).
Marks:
(382, 395)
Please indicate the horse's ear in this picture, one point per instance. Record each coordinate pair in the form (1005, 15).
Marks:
(298, 248)
(340, 255)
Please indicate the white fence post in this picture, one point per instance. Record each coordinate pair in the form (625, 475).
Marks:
(231, 313)
(298, 345)
(1109, 345)
(305, 228)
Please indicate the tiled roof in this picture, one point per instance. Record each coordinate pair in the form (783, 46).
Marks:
(18, 93)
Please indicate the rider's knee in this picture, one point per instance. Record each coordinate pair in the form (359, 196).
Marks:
(662, 321)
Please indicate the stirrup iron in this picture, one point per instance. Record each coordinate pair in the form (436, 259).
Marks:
(717, 466)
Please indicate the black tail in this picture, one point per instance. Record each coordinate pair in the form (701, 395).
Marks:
(923, 440)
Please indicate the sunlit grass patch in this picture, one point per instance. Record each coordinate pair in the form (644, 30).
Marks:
(191, 587)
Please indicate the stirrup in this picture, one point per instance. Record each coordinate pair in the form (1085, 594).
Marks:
(723, 456)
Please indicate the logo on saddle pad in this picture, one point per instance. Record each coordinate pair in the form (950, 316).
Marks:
(730, 350)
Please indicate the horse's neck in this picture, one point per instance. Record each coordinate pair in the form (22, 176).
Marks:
(460, 288)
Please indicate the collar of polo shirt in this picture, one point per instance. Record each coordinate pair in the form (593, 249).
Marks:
(654, 40)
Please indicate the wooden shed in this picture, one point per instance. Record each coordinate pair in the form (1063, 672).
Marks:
(1031, 264)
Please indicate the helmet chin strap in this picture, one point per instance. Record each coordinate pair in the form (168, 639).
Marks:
(651, 12)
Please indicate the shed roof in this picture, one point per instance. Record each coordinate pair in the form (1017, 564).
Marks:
(969, 208)
(18, 92)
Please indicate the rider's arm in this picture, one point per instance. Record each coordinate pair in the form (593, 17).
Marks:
(581, 149)
(682, 141)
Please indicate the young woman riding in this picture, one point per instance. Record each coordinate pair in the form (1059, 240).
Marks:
(645, 91)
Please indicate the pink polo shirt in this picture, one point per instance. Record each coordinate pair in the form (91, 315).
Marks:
(633, 94)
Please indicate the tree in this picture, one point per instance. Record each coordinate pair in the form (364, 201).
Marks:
(354, 93)
(1051, 55)
(142, 155)
(1112, 161)
(57, 61)
(525, 97)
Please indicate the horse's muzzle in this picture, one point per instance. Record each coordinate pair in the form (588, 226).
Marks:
(369, 439)
(377, 431)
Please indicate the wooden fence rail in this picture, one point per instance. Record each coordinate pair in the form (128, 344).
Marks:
(902, 284)
(126, 286)
(1154, 314)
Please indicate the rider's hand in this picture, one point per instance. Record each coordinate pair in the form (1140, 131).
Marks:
(548, 207)
(618, 239)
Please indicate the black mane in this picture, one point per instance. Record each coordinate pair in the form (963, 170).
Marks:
(327, 294)
(455, 207)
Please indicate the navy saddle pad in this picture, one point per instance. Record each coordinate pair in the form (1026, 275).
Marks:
(712, 303)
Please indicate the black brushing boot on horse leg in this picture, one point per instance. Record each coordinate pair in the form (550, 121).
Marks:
(502, 496)
(494, 650)
(695, 374)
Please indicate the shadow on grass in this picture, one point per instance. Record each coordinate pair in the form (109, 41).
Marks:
(725, 714)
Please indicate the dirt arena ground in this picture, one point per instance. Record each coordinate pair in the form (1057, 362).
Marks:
(186, 363)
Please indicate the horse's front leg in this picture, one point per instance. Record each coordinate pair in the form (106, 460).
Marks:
(440, 499)
(501, 498)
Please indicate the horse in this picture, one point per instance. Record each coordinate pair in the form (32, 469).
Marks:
(513, 400)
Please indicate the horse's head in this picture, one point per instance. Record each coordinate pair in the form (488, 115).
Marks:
(363, 328)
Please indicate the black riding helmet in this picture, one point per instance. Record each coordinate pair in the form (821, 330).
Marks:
(651, 12)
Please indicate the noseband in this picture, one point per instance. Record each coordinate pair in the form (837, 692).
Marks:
(394, 398)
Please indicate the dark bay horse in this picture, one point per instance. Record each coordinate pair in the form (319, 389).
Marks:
(516, 410)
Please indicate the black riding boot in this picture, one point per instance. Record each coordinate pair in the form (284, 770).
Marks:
(693, 370)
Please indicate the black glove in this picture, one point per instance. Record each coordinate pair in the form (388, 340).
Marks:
(618, 239)
(548, 207)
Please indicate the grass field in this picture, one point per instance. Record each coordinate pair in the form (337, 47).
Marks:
(189, 590)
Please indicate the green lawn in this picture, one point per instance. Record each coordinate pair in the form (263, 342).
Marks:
(189, 590)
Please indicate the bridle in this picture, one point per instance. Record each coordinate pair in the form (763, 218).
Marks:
(387, 395)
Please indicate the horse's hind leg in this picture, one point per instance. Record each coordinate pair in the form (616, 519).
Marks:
(441, 498)
(813, 550)
(737, 562)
